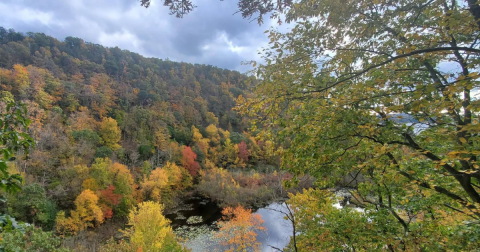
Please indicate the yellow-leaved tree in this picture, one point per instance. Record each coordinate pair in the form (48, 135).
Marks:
(153, 185)
(149, 228)
(110, 133)
(87, 214)
(87, 210)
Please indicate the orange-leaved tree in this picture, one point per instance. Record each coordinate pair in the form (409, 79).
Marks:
(188, 161)
(238, 229)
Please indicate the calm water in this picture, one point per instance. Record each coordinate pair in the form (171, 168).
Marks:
(279, 230)
(277, 234)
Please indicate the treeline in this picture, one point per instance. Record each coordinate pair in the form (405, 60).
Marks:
(113, 129)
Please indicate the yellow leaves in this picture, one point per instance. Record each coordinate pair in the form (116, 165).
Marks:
(65, 226)
(462, 140)
(90, 184)
(162, 180)
(22, 81)
(161, 139)
(197, 136)
(149, 227)
(87, 210)
(152, 186)
(87, 214)
(110, 133)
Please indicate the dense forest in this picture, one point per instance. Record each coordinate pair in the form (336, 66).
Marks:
(363, 118)
(111, 129)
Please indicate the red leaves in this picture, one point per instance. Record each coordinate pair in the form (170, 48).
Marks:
(243, 151)
(107, 212)
(109, 197)
(188, 161)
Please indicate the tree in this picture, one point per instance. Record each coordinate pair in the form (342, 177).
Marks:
(110, 133)
(22, 82)
(153, 185)
(188, 161)
(177, 7)
(87, 212)
(100, 174)
(149, 228)
(362, 88)
(121, 179)
(109, 200)
(32, 206)
(238, 229)
(161, 139)
(248, 8)
(243, 151)
(32, 240)
(13, 138)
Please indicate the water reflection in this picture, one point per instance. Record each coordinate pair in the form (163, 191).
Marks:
(278, 231)
(202, 234)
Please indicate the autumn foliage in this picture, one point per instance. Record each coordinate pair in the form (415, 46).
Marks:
(243, 151)
(109, 199)
(188, 161)
(238, 229)
(149, 227)
(87, 214)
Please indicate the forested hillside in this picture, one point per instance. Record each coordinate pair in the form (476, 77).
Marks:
(371, 106)
(112, 129)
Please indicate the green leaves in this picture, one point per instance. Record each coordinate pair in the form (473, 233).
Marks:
(13, 123)
(362, 96)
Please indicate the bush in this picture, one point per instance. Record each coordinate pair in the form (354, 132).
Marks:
(34, 240)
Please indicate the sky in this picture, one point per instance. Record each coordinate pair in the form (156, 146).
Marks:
(211, 34)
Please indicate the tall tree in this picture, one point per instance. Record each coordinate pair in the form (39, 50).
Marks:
(188, 161)
(382, 91)
(110, 133)
(87, 212)
(149, 228)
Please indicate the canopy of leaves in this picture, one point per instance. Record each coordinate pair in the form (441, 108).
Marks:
(149, 228)
(381, 92)
(238, 230)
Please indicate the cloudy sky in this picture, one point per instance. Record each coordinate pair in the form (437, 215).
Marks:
(211, 34)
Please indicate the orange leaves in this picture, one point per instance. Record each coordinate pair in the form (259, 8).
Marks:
(238, 229)
(162, 181)
(90, 184)
(87, 214)
(65, 226)
(188, 161)
(107, 212)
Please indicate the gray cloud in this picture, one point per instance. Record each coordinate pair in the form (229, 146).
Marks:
(211, 34)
